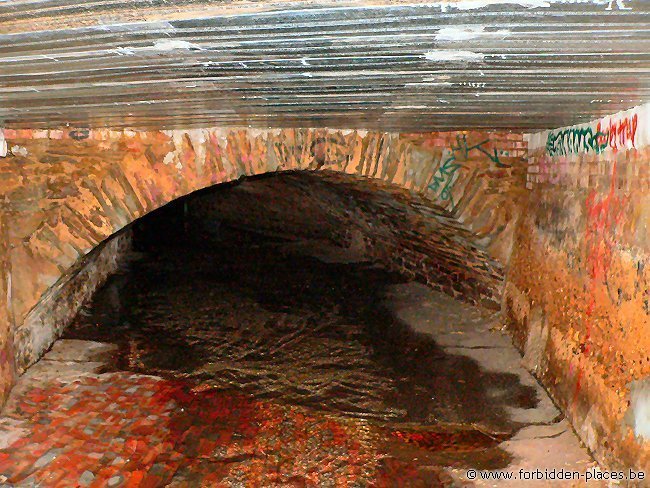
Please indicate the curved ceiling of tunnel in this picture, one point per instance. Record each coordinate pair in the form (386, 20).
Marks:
(461, 64)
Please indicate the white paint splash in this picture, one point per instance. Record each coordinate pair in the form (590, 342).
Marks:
(478, 4)
(468, 32)
(169, 157)
(19, 151)
(124, 51)
(453, 55)
(174, 44)
(430, 81)
(150, 26)
(619, 3)
(3, 144)
(161, 45)
(440, 79)
(639, 412)
(531, 4)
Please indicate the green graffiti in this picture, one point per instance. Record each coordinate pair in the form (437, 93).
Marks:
(463, 147)
(444, 177)
(573, 141)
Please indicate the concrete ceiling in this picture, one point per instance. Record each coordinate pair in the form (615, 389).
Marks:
(462, 64)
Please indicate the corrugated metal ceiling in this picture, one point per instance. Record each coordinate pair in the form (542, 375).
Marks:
(462, 64)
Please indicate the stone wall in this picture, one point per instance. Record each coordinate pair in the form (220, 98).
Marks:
(57, 307)
(66, 191)
(7, 369)
(577, 288)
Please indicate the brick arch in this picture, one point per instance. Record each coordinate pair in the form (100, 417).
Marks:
(68, 191)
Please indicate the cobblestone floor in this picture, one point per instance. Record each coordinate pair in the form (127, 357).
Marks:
(125, 429)
(255, 365)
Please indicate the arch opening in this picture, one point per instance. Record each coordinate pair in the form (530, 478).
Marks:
(297, 305)
(387, 224)
(379, 148)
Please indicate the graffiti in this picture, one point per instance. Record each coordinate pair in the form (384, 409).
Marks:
(444, 176)
(616, 135)
(573, 141)
(619, 133)
(465, 149)
(604, 218)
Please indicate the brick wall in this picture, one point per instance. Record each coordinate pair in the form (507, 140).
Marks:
(576, 293)
(577, 289)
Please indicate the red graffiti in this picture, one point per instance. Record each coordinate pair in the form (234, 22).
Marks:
(618, 133)
(603, 219)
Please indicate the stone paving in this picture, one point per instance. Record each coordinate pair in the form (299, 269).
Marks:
(123, 429)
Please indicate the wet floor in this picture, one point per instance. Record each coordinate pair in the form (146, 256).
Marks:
(247, 314)
(245, 360)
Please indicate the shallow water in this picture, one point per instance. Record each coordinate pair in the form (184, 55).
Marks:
(247, 316)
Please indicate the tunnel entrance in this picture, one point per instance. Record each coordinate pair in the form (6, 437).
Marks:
(254, 344)
(387, 187)
(299, 320)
